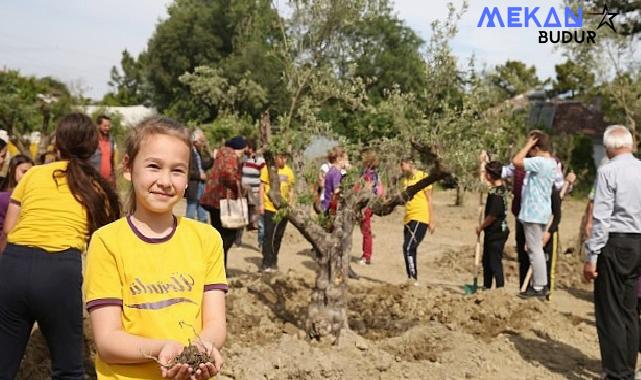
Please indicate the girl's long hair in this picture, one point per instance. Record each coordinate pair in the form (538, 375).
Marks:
(76, 141)
(10, 181)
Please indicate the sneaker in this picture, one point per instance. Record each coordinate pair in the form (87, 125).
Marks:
(269, 270)
(364, 262)
(531, 292)
(351, 274)
(412, 282)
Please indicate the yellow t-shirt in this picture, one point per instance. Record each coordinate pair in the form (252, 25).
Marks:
(416, 208)
(50, 217)
(157, 282)
(286, 184)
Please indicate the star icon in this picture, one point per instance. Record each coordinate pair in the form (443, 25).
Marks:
(607, 18)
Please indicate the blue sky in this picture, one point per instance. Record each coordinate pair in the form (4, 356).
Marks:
(77, 41)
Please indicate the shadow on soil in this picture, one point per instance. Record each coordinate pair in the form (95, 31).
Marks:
(556, 356)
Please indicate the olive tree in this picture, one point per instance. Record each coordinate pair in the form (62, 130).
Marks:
(445, 133)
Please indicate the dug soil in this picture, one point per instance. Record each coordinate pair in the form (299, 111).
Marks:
(396, 330)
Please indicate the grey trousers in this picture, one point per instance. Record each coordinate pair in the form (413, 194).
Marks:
(534, 241)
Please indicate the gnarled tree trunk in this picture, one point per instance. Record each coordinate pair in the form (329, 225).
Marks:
(327, 313)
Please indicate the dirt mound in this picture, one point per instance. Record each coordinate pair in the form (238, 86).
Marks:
(395, 332)
(384, 312)
(569, 267)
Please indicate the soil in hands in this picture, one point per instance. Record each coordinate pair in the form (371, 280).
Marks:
(191, 356)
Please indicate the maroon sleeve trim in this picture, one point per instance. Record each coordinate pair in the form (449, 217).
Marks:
(15, 202)
(222, 287)
(103, 302)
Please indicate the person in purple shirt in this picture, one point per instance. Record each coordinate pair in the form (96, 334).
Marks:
(18, 166)
(331, 188)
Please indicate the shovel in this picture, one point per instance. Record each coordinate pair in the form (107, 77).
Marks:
(472, 288)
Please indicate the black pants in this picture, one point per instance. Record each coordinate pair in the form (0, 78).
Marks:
(615, 303)
(227, 234)
(36, 286)
(524, 259)
(492, 261)
(273, 237)
(639, 319)
(549, 253)
(413, 234)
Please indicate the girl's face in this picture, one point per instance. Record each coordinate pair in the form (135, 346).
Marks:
(343, 162)
(159, 173)
(22, 169)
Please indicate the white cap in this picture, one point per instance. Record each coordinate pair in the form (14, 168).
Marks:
(4, 136)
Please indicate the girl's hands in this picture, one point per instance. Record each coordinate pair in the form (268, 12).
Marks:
(167, 354)
(209, 370)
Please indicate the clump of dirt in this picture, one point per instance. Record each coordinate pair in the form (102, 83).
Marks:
(191, 356)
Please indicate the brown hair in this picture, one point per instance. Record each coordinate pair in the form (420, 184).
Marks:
(370, 159)
(543, 140)
(100, 118)
(334, 154)
(154, 125)
(494, 169)
(10, 182)
(77, 140)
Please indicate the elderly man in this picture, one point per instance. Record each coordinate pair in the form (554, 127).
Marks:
(614, 254)
(199, 163)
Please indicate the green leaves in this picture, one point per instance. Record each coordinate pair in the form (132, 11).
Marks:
(31, 104)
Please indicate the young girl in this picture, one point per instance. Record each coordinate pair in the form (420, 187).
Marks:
(370, 176)
(338, 160)
(494, 226)
(52, 213)
(274, 232)
(419, 218)
(18, 166)
(153, 280)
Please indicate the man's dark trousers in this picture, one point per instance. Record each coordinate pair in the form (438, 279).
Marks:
(615, 302)
(524, 259)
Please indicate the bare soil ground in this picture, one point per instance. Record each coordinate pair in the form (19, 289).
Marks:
(398, 331)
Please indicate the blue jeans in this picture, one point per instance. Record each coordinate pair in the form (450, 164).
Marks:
(194, 207)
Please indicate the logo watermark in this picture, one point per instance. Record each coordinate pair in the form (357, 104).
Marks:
(552, 18)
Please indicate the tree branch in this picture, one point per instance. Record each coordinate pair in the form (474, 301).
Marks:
(385, 206)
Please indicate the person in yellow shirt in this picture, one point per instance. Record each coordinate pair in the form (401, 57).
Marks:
(274, 232)
(52, 212)
(155, 282)
(418, 217)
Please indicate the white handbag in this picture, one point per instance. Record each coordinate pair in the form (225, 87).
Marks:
(233, 212)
